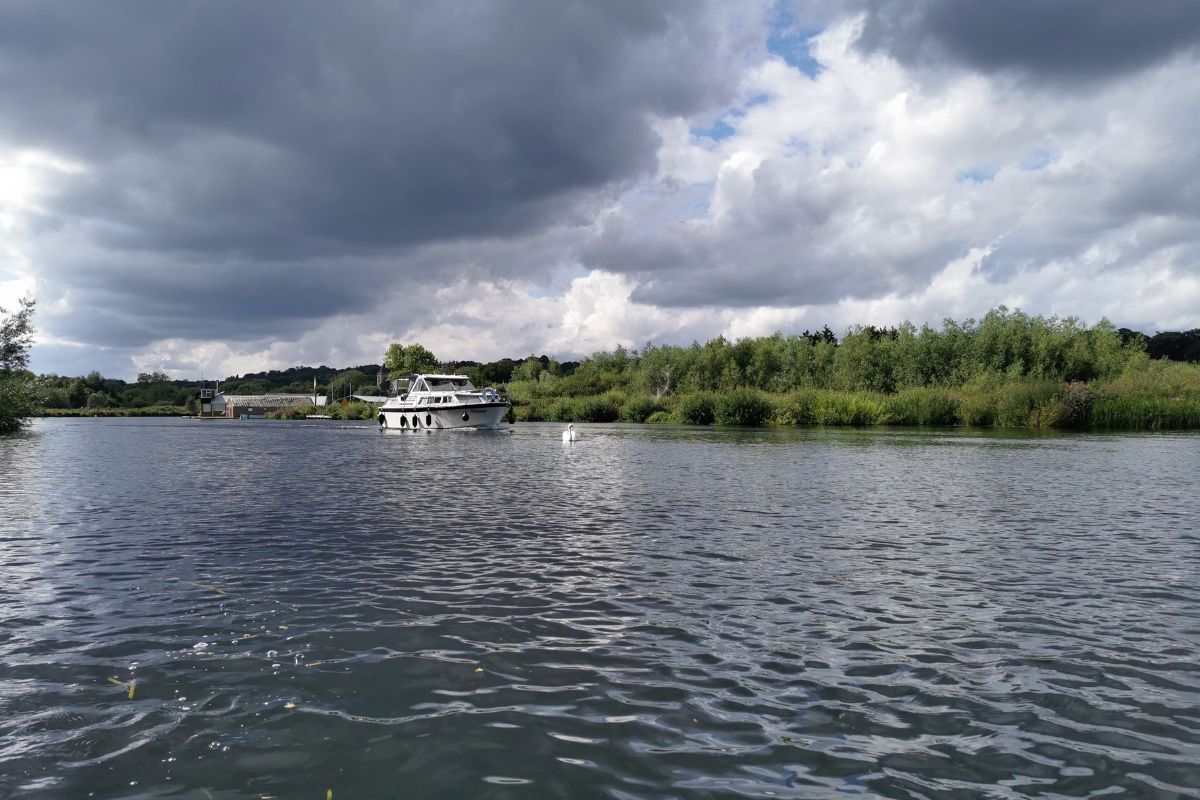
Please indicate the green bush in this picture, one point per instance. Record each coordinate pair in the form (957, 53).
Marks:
(660, 417)
(921, 406)
(845, 408)
(295, 412)
(976, 407)
(563, 409)
(1026, 403)
(597, 409)
(16, 402)
(743, 407)
(528, 412)
(797, 408)
(1073, 407)
(360, 411)
(698, 408)
(639, 409)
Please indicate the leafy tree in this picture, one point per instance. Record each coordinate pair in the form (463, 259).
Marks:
(744, 407)
(98, 400)
(77, 393)
(153, 377)
(400, 360)
(17, 388)
(16, 336)
(348, 381)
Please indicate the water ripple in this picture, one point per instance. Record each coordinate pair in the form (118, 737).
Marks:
(239, 610)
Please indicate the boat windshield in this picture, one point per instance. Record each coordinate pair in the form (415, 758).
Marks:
(450, 385)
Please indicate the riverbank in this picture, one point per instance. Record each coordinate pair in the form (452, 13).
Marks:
(145, 411)
(1153, 395)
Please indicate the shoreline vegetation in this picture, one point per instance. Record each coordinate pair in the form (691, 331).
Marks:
(1007, 369)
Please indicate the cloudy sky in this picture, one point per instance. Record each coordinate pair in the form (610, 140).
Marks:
(223, 187)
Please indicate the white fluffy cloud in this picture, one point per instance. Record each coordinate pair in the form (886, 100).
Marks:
(864, 187)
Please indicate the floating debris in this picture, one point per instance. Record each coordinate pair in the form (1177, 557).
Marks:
(132, 686)
(209, 587)
(198, 646)
(289, 705)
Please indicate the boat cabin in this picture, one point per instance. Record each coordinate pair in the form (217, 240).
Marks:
(432, 389)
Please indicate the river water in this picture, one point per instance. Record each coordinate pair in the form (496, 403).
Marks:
(219, 610)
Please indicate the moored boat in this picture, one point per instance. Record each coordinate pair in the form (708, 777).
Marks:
(439, 402)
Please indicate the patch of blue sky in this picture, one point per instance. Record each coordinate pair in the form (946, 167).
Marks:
(1037, 159)
(983, 172)
(650, 209)
(720, 129)
(790, 42)
(796, 146)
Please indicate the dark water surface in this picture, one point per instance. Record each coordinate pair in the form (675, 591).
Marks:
(651, 612)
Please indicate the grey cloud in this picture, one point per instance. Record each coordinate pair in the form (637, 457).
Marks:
(792, 242)
(269, 144)
(277, 126)
(1057, 39)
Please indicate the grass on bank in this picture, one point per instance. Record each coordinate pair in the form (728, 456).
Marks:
(144, 411)
(350, 411)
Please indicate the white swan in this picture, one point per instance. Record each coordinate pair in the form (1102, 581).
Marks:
(570, 434)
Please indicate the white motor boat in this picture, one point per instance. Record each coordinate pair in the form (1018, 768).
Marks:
(438, 402)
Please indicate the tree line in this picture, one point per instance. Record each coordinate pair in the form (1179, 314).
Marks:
(1003, 348)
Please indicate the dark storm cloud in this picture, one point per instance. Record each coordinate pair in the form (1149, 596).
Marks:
(1067, 39)
(265, 143)
(279, 126)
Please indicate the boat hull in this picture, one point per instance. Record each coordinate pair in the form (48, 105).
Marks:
(486, 416)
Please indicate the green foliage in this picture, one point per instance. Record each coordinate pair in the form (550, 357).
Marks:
(98, 400)
(16, 401)
(347, 382)
(1175, 345)
(849, 408)
(18, 388)
(639, 409)
(1072, 407)
(921, 406)
(400, 360)
(1025, 403)
(798, 408)
(16, 336)
(697, 408)
(296, 412)
(1008, 368)
(147, 411)
(359, 411)
(598, 409)
(660, 417)
(743, 407)
(531, 369)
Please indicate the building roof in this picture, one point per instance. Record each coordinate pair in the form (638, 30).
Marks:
(268, 400)
(368, 398)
